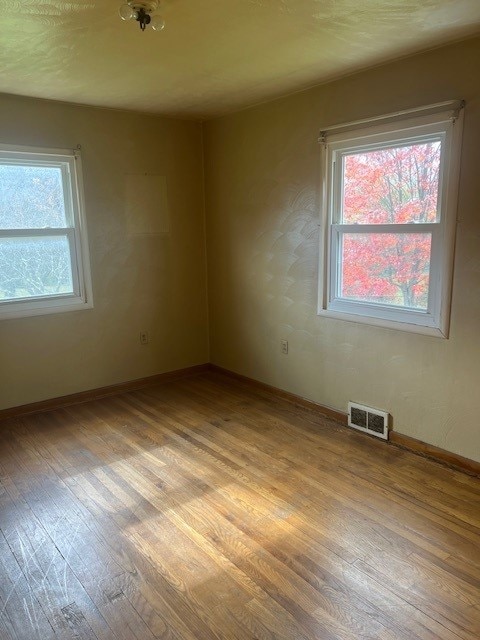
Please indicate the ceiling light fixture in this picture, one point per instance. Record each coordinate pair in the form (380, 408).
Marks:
(142, 13)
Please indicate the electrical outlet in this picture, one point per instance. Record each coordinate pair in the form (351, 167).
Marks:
(144, 337)
(284, 346)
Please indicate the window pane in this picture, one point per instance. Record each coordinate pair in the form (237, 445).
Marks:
(386, 268)
(31, 197)
(394, 185)
(31, 267)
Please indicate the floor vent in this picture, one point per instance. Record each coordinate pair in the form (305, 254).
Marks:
(367, 419)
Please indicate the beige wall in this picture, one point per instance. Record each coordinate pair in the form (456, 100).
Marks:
(262, 175)
(262, 178)
(154, 283)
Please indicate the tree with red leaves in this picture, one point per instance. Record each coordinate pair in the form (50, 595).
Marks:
(396, 185)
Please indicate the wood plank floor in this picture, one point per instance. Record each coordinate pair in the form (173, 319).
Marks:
(202, 510)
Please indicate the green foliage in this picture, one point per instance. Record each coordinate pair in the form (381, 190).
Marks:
(32, 198)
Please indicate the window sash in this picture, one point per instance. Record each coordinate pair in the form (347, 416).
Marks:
(407, 227)
(338, 164)
(336, 300)
(35, 232)
(67, 233)
(67, 169)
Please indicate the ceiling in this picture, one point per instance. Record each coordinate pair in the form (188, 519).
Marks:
(214, 56)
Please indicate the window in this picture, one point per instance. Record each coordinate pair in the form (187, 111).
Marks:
(44, 265)
(389, 195)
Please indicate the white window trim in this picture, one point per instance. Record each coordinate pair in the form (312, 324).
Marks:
(82, 298)
(442, 121)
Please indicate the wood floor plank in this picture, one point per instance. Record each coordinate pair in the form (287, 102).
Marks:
(42, 541)
(201, 510)
(100, 503)
(364, 498)
(400, 535)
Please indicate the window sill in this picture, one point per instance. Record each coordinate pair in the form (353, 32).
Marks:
(384, 323)
(25, 309)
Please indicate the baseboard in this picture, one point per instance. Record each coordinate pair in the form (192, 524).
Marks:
(333, 414)
(102, 392)
(435, 453)
(397, 439)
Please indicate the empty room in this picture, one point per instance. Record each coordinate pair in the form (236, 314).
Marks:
(239, 320)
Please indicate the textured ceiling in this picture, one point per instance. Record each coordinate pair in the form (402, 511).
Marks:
(214, 56)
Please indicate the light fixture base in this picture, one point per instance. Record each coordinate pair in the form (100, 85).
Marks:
(141, 11)
(147, 5)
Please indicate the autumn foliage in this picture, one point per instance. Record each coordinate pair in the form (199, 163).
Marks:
(397, 185)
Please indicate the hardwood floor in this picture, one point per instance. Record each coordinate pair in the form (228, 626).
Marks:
(201, 510)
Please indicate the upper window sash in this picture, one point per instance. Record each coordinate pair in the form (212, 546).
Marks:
(340, 156)
(66, 165)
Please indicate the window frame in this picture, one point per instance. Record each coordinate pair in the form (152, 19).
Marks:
(69, 162)
(386, 132)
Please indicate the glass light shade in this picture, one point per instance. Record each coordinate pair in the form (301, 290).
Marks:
(157, 23)
(126, 12)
